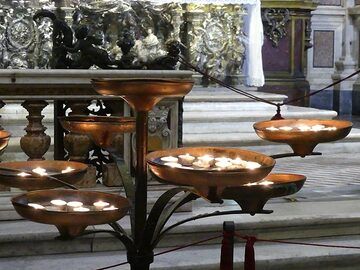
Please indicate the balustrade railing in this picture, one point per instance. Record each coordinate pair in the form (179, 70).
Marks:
(72, 94)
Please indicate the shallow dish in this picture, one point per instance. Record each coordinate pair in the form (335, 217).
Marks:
(9, 173)
(210, 183)
(302, 142)
(70, 223)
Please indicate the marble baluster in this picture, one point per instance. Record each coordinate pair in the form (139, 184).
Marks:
(77, 145)
(35, 143)
(2, 104)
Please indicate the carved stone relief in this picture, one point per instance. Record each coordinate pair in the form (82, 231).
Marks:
(275, 24)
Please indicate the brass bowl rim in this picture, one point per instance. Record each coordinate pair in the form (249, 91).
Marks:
(228, 171)
(256, 125)
(6, 134)
(82, 168)
(124, 199)
(97, 119)
(297, 177)
(133, 80)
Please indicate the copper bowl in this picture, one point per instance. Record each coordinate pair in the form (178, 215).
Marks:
(53, 167)
(4, 140)
(210, 183)
(302, 142)
(70, 223)
(252, 198)
(101, 129)
(142, 94)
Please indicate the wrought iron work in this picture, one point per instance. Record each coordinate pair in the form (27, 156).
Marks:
(275, 24)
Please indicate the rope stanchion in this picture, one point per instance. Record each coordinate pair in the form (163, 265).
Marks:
(249, 263)
(227, 246)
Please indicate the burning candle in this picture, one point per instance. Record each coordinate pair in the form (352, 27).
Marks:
(201, 164)
(110, 208)
(238, 162)
(285, 128)
(223, 159)
(304, 128)
(251, 184)
(317, 128)
(23, 174)
(67, 170)
(40, 171)
(186, 160)
(75, 204)
(272, 128)
(36, 205)
(223, 164)
(330, 128)
(169, 159)
(99, 205)
(81, 209)
(206, 160)
(252, 165)
(266, 183)
(173, 164)
(58, 202)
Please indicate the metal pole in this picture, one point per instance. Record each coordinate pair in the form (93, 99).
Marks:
(140, 175)
(227, 246)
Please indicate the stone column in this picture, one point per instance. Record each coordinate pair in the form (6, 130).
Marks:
(354, 12)
(35, 143)
(346, 64)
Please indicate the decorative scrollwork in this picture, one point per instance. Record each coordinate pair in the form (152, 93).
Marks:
(275, 24)
(216, 40)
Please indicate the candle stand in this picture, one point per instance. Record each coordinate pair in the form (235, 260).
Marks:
(217, 174)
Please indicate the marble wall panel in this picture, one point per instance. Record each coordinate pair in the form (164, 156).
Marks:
(323, 49)
(329, 2)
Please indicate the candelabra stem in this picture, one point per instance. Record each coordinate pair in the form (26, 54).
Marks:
(140, 175)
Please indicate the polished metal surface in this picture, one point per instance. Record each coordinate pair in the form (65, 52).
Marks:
(143, 94)
(53, 168)
(210, 183)
(302, 142)
(252, 198)
(101, 129)
(4, 140)
(70, 223)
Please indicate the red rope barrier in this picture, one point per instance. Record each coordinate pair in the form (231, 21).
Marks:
(166, 251)
(244, 237)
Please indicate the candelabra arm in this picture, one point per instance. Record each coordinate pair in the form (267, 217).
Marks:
(117, 228)
(277, 156)
(126, 240)
(162, 211)
(201, 216)
(125, 177)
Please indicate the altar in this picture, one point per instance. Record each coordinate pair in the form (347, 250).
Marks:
(222, 37)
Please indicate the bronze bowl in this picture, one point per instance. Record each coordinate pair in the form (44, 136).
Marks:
(101, 129)
(252, 198)
(302, 142)
(142, 94)
(210, 183)
(70, 223)
(9, 173)
(4, 140)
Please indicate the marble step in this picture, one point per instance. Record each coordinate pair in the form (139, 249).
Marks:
(215, 117)
(299, 220)
(268, 257)
(200, 94)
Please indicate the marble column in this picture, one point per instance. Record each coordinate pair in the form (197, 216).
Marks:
(35, 143)
(354, 12)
